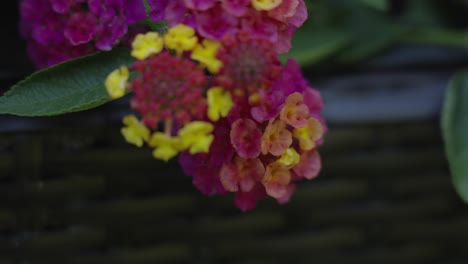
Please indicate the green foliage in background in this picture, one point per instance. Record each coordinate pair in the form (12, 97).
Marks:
(455, 131)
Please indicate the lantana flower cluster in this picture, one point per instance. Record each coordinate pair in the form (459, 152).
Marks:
(58, 30)
(240, 121)
(272, 20)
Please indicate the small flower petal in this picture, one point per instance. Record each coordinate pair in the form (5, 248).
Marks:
(276, 180)
(295, 112)
(246, 138)
(116, 82)
(265, 5)
(289, 158)
(180, 38)
(135, 132)
(241, 174)
(196, 136)
(309, 166)
(309, 134)
(219, 103)
(205, 53)
(146, 45)
(166, 147)
(276, 138)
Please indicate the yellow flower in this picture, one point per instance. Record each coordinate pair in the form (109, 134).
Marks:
(219, 103)
(196, 136)
(180, 38)
(289, 158)
(135, 132)
(265, 4)
(116, 82)
(146, 45)
(309, 134)
(205, 53)
(166, 147)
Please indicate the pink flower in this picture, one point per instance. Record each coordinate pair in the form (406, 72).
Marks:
(313, 100)
(241, 174)
(309, 165)
(287, 195)
(246, 137)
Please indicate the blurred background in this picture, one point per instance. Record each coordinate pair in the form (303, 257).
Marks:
(72, 191)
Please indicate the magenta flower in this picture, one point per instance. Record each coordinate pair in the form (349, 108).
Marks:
(80, 28)
(75, 27)
(245, 138)
(205, 168)
(216, 18)
(251, 66)
(246, 201)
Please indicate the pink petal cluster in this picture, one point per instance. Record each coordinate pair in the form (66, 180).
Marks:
(269, 140)
(216, 18)
(58, 30)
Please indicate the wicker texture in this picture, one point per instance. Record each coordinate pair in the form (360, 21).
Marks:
(83, 196)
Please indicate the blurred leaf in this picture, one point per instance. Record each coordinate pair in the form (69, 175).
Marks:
(72, 86)
(455, 131)
(422, 13)
(381, 5)
(446, 37)
(312, 45)
(371, 31)
(370, 44)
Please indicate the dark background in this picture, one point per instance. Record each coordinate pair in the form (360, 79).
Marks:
(72, 191)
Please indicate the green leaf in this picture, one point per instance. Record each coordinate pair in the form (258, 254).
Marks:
(382, 5)
(72, 86)
(455, 131)
(312, 45)
(367, 44)
(371, 34)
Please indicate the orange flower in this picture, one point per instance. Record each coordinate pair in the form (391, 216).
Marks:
(309, 134)
(276, 139)
(294, 111)
(276, 180)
